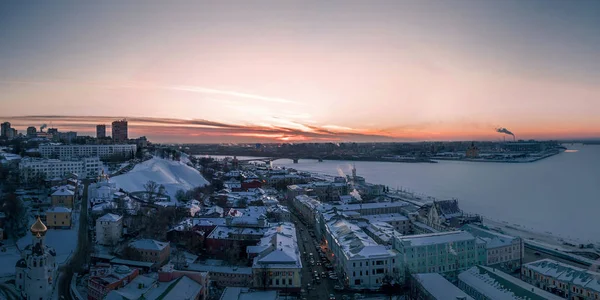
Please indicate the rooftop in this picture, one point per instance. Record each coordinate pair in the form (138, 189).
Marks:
(436, 238)
(148, 244)
(496, 284)
(58, 209)
(110, 218)
(63, 191)
(354, 242)
(439, 287)
(242, 293)
(202, 267)
(566, 273)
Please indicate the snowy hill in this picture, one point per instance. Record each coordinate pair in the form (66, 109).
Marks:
(174, 175)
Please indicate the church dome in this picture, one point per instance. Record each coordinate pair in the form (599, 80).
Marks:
(38, 227)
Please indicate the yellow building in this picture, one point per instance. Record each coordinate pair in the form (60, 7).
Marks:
(58, 217)
(63, 197)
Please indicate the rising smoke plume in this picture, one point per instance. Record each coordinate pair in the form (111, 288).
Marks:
(505, 131)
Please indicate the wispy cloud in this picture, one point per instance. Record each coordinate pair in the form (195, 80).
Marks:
(204, 90)
(198, 130)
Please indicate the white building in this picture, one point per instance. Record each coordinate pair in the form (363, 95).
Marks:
(501, 250)
(400, 223)
(277, 264)
(109, 229)
(362, 262)
(36, 270)
(76, 151)
(53, 168)
(102, 191)
(443, 252)
(307, 207)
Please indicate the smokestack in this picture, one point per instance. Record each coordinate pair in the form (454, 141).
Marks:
(505, 131)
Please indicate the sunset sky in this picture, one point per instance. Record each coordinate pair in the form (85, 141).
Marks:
(244, 71)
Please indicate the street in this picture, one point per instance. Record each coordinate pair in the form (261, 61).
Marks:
(308, 244)
(81, 255)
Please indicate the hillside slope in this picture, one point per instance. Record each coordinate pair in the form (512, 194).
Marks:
(174, 175)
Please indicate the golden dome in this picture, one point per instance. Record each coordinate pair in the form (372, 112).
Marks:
(38, 227)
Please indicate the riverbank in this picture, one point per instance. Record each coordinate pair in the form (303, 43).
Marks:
(500, 159)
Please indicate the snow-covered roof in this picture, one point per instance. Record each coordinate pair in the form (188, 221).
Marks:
(495, 284)
(436, 238)
(110, 218)
(148, 244)
(134, 290)
(395, 217)
(200, 267)
(440, 288)
(566, 273)
(63, 191)
(230, 232)
(492, 239)
(278, 248)
(242, 293)
(58, 209)
(370, 205)
(180, 288)
(354, 242)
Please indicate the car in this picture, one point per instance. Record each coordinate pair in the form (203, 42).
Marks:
(338, 287)
(318, 263)
(331, 297)
(333, 277)
(309, 286)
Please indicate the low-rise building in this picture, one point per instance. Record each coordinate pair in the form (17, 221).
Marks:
(375, 208)
(562, 279)
(109, 229)
(433, 286)
(151, 251)
(223, 275)
(105, 278)
(502, 250)
(63, 197)
(58, 217)
(362, 261)
(483, 283)
(277, 263)
(307, 207)
(443, 252)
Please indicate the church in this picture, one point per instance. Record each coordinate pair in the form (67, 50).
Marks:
(36, 270)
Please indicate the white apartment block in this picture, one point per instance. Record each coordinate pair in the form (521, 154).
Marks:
(76, 151)
(443, 252)
(501, 250)
(362, 262)
(53, 168)
(109, 229)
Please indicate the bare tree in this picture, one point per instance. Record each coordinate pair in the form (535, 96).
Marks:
(151, 187)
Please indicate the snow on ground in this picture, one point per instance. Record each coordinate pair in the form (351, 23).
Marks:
(174, 175)
(64, 241)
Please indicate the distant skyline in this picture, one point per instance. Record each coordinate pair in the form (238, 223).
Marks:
(241, 71)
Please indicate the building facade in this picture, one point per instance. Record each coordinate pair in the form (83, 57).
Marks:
(362, 262)
(51, 168)
(77, 151)
(562, 279)
(152, 251)
(119, 131)
(105, 278)
(36, 271)
(100, 131)
(502, 250)
(445, 252)
(63, 197)
(109, 229)
(58, 217)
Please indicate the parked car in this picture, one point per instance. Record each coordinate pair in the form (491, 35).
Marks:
(338, 287)
(331, 297)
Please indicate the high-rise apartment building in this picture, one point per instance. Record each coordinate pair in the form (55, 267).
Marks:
(31, 131)
(100, 131)
(119, 131)
(5, 130)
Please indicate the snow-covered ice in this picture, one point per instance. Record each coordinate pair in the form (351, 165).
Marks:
(174, 175)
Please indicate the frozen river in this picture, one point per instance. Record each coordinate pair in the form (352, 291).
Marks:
(559, 195)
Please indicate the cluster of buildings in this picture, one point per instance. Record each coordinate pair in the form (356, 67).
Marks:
(119, 132)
